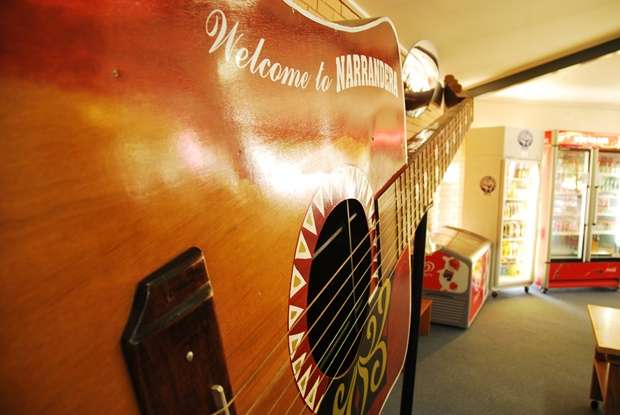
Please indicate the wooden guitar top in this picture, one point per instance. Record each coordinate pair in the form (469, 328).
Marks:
(132, 131)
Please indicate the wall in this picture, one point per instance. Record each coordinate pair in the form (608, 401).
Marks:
(546, 116)
(483, 152)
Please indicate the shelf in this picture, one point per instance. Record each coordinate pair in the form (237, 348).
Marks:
(510, 259)
(514, 238)
(604, 233)
(603, 254)
(612, 214)
(565, 233)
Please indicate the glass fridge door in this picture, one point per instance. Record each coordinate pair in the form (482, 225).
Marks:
(572, 175)
(518, 232)
(606, 225)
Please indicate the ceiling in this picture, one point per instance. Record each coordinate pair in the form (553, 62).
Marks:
(594, 82)
(482, 40)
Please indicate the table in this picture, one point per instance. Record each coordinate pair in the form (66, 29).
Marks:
(605, 385)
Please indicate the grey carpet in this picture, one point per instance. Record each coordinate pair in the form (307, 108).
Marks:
(525, 354)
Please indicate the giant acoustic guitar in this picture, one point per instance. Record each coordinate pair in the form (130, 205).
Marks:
(206, 207)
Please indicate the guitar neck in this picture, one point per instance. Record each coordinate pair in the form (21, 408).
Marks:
(408, 196)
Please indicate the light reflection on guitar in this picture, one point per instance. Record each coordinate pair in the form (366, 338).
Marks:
(126, 142)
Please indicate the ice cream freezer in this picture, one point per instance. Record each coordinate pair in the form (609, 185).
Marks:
(456, 275)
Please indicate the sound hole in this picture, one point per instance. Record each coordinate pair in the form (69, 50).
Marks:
(339, 314)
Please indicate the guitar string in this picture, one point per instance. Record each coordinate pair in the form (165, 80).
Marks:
(392, 202)
(334, 359)
(374, 303)
(325, 309)
(392, 236)
(394, 250)
(388, 236)
(335, 355)
(277, 376)
(287, 363)
(387, 205)
(336, 314)
(348, 351)
(338, 346)
(266, 359)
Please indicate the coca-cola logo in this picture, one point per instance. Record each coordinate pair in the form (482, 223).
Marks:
(487, 185)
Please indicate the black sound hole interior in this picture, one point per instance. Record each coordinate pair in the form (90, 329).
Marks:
(338, 314)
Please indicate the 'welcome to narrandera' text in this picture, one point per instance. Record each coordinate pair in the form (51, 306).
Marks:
(361, 70)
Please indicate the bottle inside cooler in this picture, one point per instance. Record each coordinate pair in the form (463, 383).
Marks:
(518, 225)
(606, 230)
(571, 180)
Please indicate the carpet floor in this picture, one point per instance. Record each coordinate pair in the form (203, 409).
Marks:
(524, 354)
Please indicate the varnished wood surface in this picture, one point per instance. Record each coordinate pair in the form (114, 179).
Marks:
(606, 328)
(612, 395)
(124, 143)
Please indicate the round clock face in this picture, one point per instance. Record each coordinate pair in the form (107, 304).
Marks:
(525, 139)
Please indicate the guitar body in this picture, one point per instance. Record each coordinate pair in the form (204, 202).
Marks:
(134, 131)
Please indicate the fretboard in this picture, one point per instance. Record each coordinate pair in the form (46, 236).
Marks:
(403, 203)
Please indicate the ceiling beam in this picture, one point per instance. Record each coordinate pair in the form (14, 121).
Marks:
(581, 56)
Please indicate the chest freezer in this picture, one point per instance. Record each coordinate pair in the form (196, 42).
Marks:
(456, 276)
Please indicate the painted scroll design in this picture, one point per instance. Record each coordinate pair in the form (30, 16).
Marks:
(369, 370)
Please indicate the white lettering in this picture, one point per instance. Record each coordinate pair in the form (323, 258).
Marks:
(340, 82)
(360, 70)
(216, 27)
(262, 67)
(272, 72)
(364, 69)
(349, 77)
(356, 70)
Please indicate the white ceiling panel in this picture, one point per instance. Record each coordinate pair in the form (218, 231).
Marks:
(479, 40)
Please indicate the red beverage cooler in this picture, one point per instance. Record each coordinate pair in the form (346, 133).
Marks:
(579, 220)
(456, 276)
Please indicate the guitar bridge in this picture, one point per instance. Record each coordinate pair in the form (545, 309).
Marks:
(172, 344)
